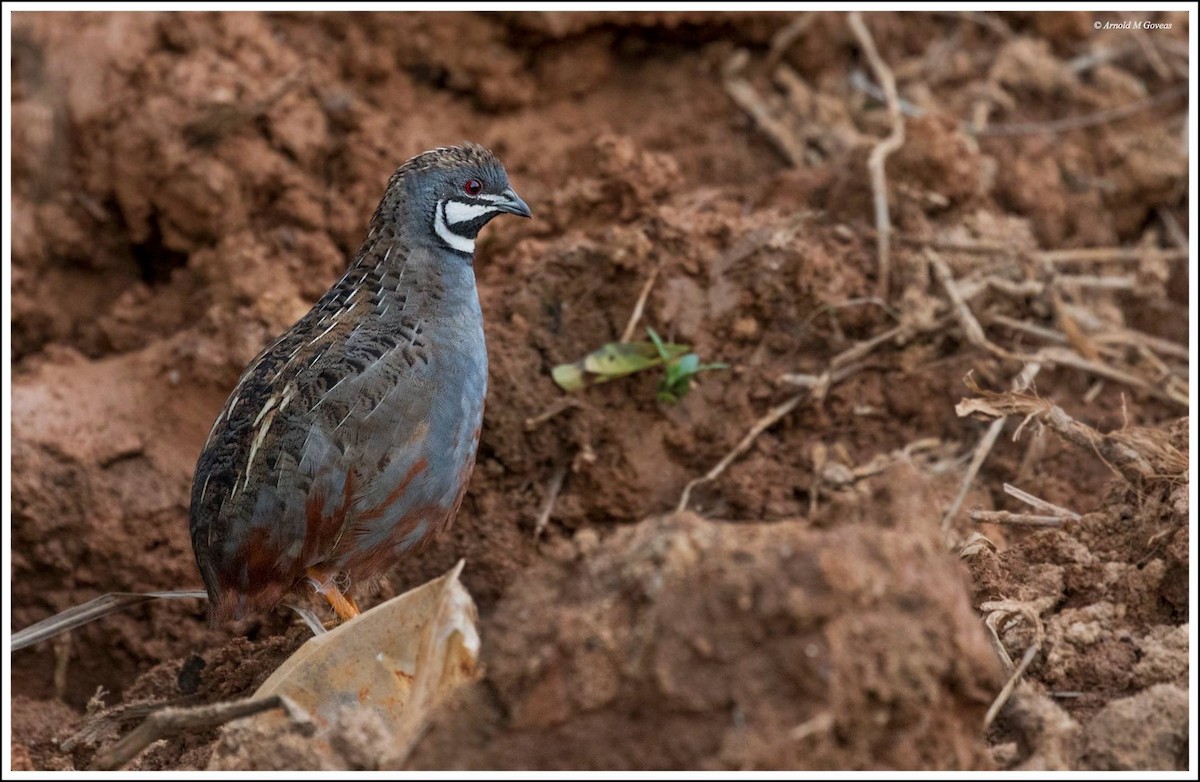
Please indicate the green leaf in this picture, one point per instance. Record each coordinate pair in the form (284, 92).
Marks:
(614, 360)
(618, 359)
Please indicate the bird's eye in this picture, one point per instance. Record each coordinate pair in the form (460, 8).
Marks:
(472, 187)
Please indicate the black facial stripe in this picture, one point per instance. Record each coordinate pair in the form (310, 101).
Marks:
(468, 228)
(440, 223)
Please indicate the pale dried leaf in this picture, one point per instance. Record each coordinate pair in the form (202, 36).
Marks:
(398, 660)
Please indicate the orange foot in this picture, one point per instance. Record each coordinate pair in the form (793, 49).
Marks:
(343, 605)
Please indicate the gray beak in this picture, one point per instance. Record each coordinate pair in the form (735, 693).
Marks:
(514, 204)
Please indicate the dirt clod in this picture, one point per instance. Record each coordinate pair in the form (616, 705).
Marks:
(684, 642)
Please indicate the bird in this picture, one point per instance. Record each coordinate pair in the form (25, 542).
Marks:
(347, 444)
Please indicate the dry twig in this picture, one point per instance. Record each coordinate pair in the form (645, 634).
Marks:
(821, 723)
(879, 155)
(1153, 56)
(1174, 230)
(169, 721)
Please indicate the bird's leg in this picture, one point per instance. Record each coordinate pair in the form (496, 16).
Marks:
(344, 606)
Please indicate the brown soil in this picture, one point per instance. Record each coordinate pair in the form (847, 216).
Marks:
(186, 185)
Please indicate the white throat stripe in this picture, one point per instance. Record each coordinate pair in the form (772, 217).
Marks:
(444, 232)
(459, 212)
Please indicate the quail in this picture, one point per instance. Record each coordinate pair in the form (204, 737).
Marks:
(348, 443)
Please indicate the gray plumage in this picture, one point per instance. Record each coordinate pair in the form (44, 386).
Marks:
(350, 440)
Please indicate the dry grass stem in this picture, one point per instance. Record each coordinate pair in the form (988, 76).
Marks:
(743, 445)
(850, 361)
(92, 610)
(1133, 338)
(1153, 56)
(1090, 255)
(1173, 392)
(879, 154)
(1039, 503)
(821, 723)
(1083, 120)
(1135, 453)
(1003, 615)
(561, 406)
(552, 492)
(1007, 691)
(787, 36)
(977, 247)
(638, 307)
(986, 443)
(966, 319)
(1015, 519)
(309, 617)
(1112, 345)
(1174, 230)
(1021, 382)
(1032, 329)
(747, 98)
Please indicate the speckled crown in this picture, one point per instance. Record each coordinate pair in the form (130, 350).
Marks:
(466, 154)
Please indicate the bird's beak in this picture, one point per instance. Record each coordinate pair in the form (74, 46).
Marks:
(514, 204)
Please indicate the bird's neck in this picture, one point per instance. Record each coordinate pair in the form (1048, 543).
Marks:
(390, 276)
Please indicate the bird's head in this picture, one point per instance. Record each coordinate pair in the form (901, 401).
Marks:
(449, 194)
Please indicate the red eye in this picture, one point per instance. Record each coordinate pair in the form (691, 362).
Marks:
(472, 187)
